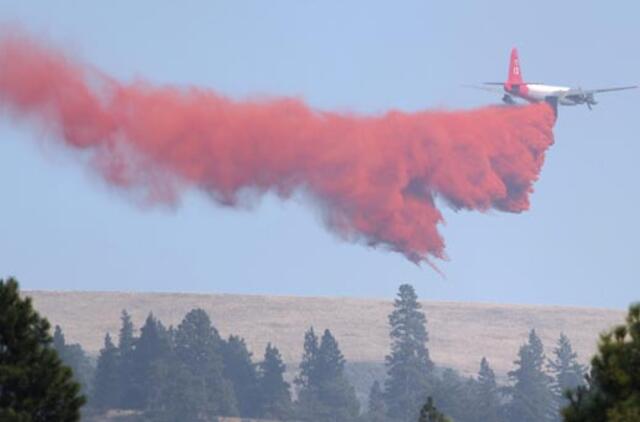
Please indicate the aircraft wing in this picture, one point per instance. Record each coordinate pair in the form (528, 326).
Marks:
(488, 88)
(617, 88)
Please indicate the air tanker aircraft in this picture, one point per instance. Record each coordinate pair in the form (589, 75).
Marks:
(536, 92)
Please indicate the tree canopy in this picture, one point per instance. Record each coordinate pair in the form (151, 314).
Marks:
(612, 392)
(34, 383)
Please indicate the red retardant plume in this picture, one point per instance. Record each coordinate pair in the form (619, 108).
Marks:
(375, 178)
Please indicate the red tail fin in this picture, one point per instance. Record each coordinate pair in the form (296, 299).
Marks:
(515, 73)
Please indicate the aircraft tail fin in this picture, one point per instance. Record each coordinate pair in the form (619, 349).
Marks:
(515, 73)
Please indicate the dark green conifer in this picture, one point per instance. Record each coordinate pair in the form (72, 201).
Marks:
(274, 394)
(34, 383)
(126, 347)
(612, 392)
(531, 396)
(106, 385)
(151, 348)
(308, 366)
(198, 348)
(241, 372)
(409, 368)
(486, 404)
(567, 373)
(325, 394)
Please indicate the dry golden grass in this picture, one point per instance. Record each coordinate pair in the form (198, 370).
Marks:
(460, 333)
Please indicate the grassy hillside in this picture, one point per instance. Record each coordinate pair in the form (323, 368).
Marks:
(460, 333)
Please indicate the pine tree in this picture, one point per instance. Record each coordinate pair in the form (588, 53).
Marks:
(34, 384)
(376, 411)
(409, 368)
(567, 372)
(126, 347)
(612, 392)
(486, 404)
(106, 382)
(308, 363)
(334, 388)
(325, 393)
(274, 395)
(75, 358)
(532, 398)
(198, 349)
(241, 371)
(150, 349)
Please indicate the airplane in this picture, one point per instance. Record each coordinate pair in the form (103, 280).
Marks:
(515, 87)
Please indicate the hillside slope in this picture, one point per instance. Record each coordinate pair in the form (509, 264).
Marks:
(460, 333)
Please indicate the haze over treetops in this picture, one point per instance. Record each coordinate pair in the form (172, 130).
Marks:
(359, 325)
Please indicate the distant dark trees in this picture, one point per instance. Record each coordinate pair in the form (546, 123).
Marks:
(324, 393)
(534, 392)
(74, 357)
(34, 383)
(190, 372)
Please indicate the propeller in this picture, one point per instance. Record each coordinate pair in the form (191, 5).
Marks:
(587, 98)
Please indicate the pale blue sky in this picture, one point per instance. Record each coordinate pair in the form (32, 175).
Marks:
(62, 228)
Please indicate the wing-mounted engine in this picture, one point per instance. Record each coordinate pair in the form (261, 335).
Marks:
(579, 96)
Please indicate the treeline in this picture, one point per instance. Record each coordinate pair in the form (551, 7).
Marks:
(535, 392)
(190, 373)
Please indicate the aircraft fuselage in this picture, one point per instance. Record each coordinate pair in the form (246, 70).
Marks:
(535, 93)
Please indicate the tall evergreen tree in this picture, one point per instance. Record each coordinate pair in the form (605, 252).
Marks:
(126, 346)
(486, 404)
(409, 368)
(34, 383)
(241, 371)
(376, 411)
(150, 349)
(612, 392)
(308, 365)
(198, 348)
(274, 397)
(532, 398)
(75, 358)
(568, 374)
(106, 382)
(326, 395)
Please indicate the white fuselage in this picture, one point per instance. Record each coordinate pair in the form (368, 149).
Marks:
(539, 92)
